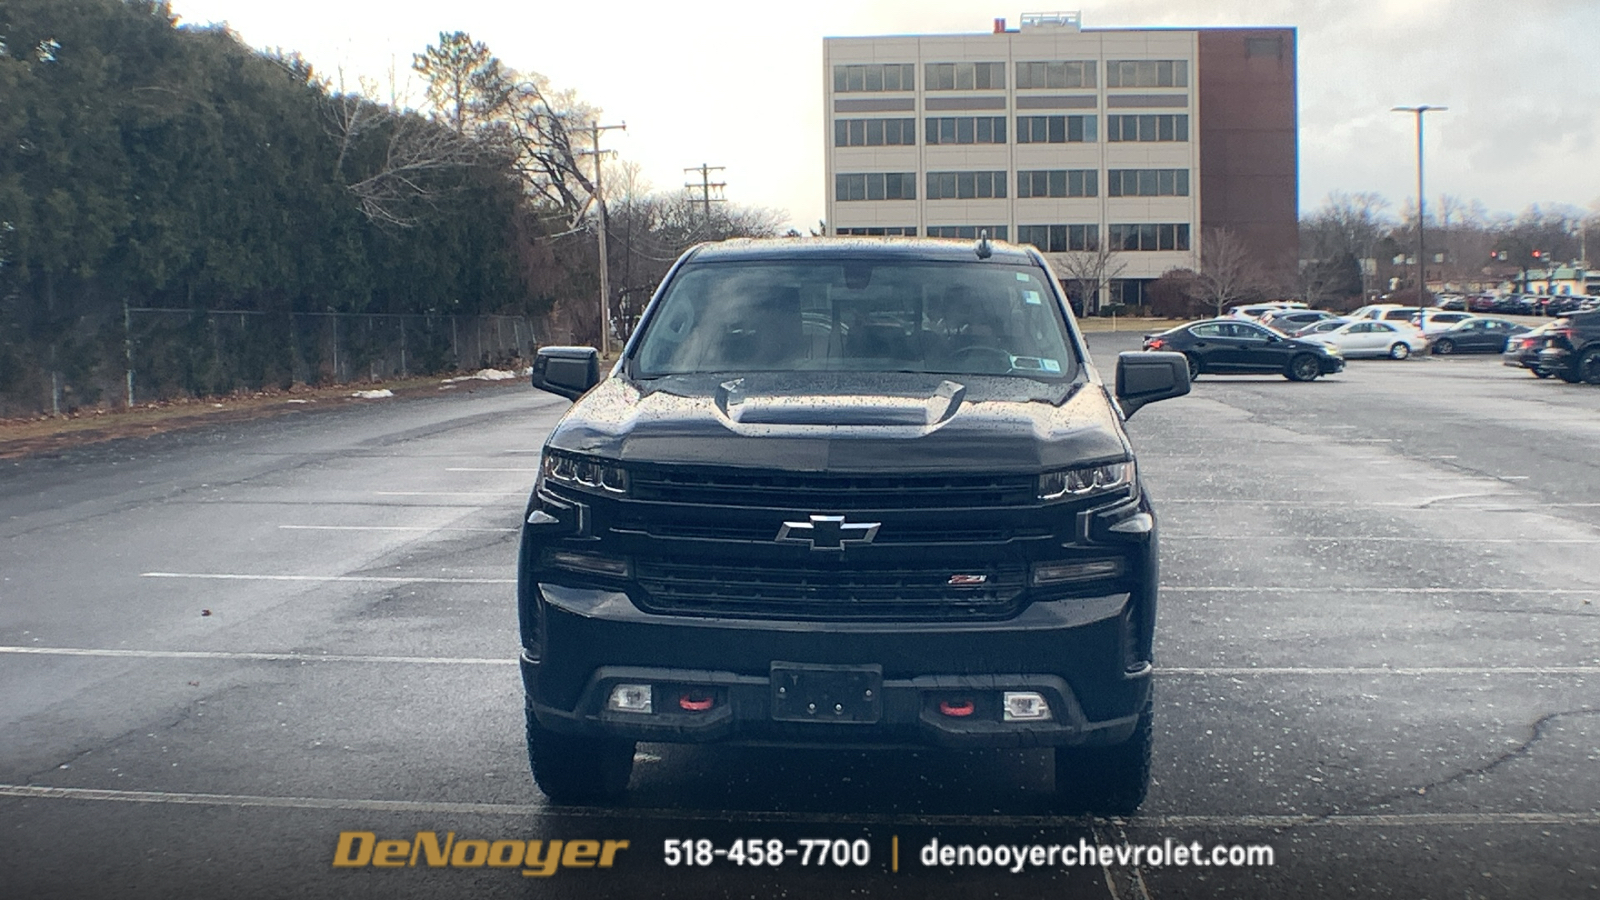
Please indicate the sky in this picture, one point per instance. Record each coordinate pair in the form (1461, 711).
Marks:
(740, 85)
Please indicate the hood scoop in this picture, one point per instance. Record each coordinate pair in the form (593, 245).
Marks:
(839, 409)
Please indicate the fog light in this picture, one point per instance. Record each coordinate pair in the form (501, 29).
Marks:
(586, 562)
(633, 698)
(1025, 706)
(1066, 572)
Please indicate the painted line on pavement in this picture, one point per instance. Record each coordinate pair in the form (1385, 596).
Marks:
(1375, 537)
(41, 792)
(451, 493)
(244, 656)
(1373, 589)
(380, 579)
(388, 528)
(1178, 671)
(477, 469)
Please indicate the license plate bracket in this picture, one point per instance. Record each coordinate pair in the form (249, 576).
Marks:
(825, 693)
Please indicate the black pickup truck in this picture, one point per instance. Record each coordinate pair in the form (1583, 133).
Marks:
(1573, 351)
(859, 493)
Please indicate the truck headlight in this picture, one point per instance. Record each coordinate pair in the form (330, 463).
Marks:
(584, 473)
(1086, 481)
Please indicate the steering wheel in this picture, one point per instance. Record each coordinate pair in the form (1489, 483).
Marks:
(987, 360)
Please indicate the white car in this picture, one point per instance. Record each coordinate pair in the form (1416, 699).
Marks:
(1438, 321)
(1371, 337)
(1255, 311)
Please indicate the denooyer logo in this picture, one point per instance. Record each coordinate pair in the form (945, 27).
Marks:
(537, 859)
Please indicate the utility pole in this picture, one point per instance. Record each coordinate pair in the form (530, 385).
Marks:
(605, 273)
(1422, 261)
(706, 184)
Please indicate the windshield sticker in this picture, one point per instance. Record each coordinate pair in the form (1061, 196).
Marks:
(1051, 365)
(1022, 276)
(1031, 297)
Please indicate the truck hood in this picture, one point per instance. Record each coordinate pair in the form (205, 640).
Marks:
(847, 422)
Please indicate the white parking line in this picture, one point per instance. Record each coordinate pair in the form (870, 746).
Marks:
(233, 655)
(388, 528)
(451, 493)
(478, 469)
(41, 792)
(381, 579)
(1173, 671)
(1374, 589)
(1375, 537)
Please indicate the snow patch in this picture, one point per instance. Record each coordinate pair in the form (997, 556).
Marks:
(373, 395)
(490, 375)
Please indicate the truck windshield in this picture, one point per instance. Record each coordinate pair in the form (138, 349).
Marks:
(857, 316)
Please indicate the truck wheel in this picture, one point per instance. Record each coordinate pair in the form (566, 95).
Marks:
(1589, 366)
(572, 769)
(1106, 781)
(1569, 375)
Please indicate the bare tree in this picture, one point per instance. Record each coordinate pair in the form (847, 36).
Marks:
(1086, 272)
(1228, 271)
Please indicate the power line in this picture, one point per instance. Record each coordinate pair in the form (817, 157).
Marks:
(706, 185)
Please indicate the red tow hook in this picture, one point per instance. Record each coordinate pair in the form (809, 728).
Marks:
(696, 702)
(958, 709)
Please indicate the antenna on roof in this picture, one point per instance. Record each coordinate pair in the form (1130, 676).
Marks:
(984, 249)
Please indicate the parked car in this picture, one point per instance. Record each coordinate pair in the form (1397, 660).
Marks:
(1436, 321)
(707, 558)
(1288, 321)
(1321, 327)
(1370, 337)
(1373, 310)
(1522, 350)
(1573, 353)
(1234, 347)
(1454, 302)
(1564, 304)
(1476, 335)
(1257, 310)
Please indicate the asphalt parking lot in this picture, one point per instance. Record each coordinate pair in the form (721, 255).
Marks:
(1378, 652)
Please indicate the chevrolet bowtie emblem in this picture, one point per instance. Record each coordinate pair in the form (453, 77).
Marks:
(827, 532)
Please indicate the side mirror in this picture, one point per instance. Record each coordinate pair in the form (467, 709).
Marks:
(1145, 377)
(567, 371)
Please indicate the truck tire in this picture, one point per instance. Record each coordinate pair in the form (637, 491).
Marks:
(571, 769)
(1589, 366)
(1106, 781)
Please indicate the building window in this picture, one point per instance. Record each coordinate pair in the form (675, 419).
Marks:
(1058, 183)
(1147, 183)
(1128, 291)
(1147, 73)
(966, 185)
(1069, 74)
(883, 77)
(1264, 46)
(875, 186)
(966, 130)
(964, 76)
(874, 132)
(1056, 129)
(1147, 128)
(1150, 236)
(878, 231)
(1060, 238)
(967, 232)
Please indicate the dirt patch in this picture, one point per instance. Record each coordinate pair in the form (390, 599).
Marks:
(47, 434)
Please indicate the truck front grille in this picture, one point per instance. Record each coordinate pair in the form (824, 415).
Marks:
(732, 488)
(824, 591)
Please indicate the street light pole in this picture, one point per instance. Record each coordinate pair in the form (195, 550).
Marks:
(1422, 260)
